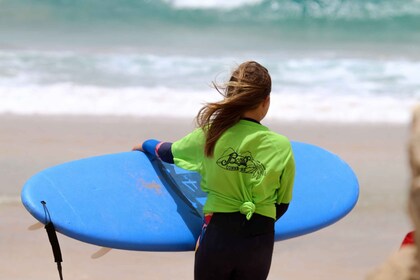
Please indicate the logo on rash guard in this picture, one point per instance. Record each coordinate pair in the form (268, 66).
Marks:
(244, 163)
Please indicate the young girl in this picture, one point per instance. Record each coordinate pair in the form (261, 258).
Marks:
(247, 171)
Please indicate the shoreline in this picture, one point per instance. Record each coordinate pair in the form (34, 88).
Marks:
(349, 249)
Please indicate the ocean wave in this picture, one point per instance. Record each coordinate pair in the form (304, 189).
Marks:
(235, 11)
(211, 26)
(331, 75)
(296, 9)
(107, 83)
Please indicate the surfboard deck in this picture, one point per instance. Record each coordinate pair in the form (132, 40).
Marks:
(127, 201)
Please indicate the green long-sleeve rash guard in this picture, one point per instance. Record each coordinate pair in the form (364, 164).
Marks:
(251, 165)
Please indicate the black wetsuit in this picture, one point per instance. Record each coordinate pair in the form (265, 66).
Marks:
(226, 249)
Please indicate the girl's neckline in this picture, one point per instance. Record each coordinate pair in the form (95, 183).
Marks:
(251, 120)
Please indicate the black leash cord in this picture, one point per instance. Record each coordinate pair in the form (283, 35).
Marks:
(52, 236)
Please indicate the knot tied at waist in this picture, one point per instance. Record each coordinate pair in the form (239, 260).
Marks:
(247, 208)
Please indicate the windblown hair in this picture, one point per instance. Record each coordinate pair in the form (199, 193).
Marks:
(248, 86)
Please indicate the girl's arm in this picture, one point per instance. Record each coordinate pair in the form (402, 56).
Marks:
(162, 150)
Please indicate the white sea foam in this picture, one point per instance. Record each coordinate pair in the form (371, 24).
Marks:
(314, 8)
(165, 102)
(211, 3)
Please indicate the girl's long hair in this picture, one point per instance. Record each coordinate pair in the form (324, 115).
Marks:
(249, 85)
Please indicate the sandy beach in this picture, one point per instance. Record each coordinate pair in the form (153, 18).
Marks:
(348, 249)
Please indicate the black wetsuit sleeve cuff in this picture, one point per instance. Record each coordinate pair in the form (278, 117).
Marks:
(281, 209)
(164, 152)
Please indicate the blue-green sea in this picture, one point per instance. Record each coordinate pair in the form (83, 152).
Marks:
(330, 61)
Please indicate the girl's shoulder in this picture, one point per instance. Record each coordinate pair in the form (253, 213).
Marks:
(276, 138)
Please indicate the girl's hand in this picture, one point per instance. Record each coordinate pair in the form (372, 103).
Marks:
(138, 147)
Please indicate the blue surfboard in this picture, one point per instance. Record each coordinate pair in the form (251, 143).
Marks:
(128, 201)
